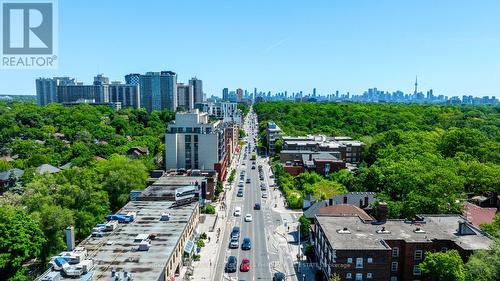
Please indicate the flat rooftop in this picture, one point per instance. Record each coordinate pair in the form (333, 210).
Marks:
(364, 236)
(117, 249)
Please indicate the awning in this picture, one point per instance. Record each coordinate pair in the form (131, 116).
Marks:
(189, 246)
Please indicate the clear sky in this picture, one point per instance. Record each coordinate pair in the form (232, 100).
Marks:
(452, 45)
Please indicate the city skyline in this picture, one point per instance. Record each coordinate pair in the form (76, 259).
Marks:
(273, 46)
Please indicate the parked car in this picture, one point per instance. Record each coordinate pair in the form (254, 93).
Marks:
(237, 211)
(235, 233)
(264, 194)
(234, 243)
(279, 276)
(231, 264)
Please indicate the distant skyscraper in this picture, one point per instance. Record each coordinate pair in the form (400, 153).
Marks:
(314, 92)
(197, 89)
(185, 97)
(225, 94)
(100, 79)
(239, 95)
(133, 79)
(159, 90)
(416, 86)
(46, 88)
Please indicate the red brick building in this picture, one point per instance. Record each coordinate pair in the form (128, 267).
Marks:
(357, 250)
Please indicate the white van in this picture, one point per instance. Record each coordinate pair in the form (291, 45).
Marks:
(237, 211)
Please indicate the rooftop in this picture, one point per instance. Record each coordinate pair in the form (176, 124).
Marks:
(478, 215)
(345, 210)
(364, 236)
(118, 249)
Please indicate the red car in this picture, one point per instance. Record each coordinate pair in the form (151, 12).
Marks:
(245, 265)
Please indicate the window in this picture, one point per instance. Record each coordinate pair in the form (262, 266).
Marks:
(369, 260)
(418, 254)
(349, 260)
(369, 275)
(359, 262)
(416, 270)
(348, 275)
(444, 249)
(394, 278)
(394, 266)
(395, 252)
(359, 276)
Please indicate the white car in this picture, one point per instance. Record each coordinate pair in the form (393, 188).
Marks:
(264, 194)
(248, 217)
(237, 211)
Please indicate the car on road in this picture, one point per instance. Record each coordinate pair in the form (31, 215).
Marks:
(279, 276)
(263, 186)
(248, 180)
(245, 265)
(231, 264)
(248, 217)
(247, 244)
(257, 206)
(240, 192)
(237, 211)
(235, 233)
(264, 194)
(234, 243)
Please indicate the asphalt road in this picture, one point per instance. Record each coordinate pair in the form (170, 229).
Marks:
(260, 268)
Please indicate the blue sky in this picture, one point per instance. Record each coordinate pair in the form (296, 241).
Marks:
(452, 45)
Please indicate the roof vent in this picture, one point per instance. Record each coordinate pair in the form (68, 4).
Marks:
(165, 217)
(419, 230)
(344, 230)
(383, 231)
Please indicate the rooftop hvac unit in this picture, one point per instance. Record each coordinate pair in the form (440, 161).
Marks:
(165, 217)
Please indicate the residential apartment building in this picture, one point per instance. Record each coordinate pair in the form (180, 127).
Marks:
(197, 85)
(46, 88)
(185, 97)
(101, 92)
(158, 90)
(126, 94)
(194, 142)
(349, 149)
(392, 250)
(225, 111)
(273, 133)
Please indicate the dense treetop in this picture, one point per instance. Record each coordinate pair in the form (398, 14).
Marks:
(419, 158)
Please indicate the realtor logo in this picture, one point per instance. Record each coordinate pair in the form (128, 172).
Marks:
(28, 34)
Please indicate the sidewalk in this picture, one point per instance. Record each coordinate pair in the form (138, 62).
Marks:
(205, 268)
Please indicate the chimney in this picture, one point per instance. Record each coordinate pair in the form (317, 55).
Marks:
(345, 199)
(330, 201)
(366, 202)
(70, 238)
(382, 211)
(360, 203)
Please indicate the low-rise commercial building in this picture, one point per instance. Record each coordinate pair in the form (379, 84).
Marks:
(392, 250)
(146, 240)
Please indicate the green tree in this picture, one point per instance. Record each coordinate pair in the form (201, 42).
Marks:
(20, 240)
(484, 265)
(305, 226)
(447, 266)
(119, 175)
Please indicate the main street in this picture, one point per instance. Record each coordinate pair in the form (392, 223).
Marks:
(271, 250)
